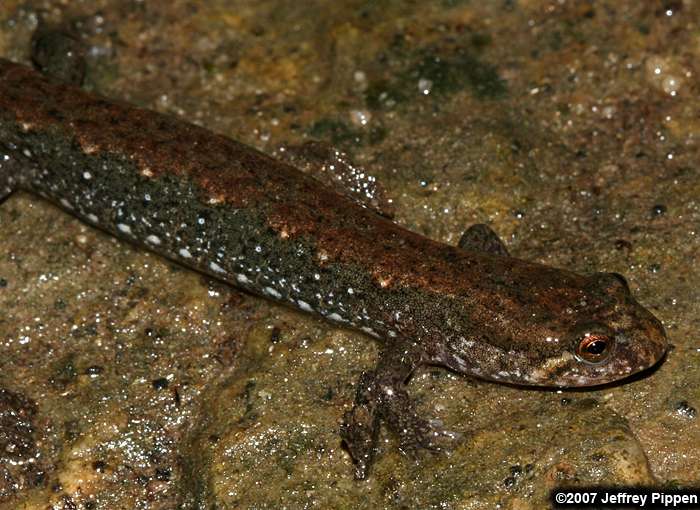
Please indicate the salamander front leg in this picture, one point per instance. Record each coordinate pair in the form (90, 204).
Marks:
(360, 428)
(382, 396)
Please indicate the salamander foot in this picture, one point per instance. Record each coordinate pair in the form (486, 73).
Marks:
(382, 397)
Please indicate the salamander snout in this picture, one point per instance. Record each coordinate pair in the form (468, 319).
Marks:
(651, 342)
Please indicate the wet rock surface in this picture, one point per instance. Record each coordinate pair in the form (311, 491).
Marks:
(569, 128)
(20, 463)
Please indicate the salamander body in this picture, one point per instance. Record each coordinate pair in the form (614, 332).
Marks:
(227, 210)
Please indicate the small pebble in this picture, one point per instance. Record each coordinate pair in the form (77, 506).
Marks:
(160, 384)
(99, 466)
(622, 244)
(658, 210)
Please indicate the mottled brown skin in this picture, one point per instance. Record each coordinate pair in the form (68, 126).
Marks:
(471, 308)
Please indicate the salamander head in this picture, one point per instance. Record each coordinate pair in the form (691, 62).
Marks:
(616, 338)
(586, 332)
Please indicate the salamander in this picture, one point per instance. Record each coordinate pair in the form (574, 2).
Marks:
(227, 210)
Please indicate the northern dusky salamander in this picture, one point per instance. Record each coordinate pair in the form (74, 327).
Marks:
(242, 217)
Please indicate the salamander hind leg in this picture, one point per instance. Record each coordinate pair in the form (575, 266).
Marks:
(481, 237)
(59, 53)
(336, 170)
(382, 397)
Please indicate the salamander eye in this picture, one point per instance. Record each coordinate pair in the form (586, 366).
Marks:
(594, 347)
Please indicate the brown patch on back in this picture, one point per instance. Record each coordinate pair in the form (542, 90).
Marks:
(230, 172)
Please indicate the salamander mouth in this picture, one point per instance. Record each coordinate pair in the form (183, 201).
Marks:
(633, 351)
(568, 370)
(629, 359)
